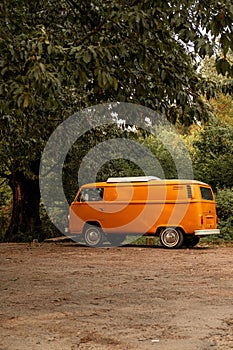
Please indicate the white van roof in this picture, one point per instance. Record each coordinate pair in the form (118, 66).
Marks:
(132, 179)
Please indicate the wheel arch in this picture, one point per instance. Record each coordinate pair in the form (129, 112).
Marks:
(161, 228)
(92, 223)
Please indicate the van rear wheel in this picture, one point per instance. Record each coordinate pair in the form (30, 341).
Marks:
(171, 237)
(93, 235)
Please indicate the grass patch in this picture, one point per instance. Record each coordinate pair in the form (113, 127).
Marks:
(141, 240)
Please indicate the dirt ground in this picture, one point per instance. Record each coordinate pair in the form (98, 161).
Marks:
(68, 297)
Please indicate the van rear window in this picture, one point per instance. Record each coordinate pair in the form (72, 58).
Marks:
(206, 193)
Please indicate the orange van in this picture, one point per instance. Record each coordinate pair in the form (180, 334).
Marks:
(178, 211)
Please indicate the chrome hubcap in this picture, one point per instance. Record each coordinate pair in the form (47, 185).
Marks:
(92, 237)
(170, 237)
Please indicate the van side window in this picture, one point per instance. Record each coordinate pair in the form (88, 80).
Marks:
(206, 193)
(91, 195)
(189, 191)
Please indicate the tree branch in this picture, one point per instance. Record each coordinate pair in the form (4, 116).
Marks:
(92, 32)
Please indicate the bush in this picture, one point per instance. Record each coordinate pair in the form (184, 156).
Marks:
(212, 155)
(5, 207)
(224, 199)
(48, 230)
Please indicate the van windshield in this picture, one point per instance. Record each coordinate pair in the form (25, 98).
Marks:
(206, 193)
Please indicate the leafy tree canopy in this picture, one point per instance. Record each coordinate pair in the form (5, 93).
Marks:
(109, 50)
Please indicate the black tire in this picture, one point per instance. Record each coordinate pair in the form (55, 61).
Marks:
(190, 241)
(115, 239)
(93, 235)
(171, 238)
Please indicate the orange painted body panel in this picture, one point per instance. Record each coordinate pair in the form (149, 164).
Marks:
(144, 207)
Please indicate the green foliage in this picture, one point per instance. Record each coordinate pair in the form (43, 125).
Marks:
(222, 107)
(105, 50)
(5, 207)
(217, 76)
(212, 155)
(224, 199)
(80, 149)
(47, 226)
(170, 152)
(118, 167)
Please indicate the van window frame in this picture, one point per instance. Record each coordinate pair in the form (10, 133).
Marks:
(95, 197)
(206, 193)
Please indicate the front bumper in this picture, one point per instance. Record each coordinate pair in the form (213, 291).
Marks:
(207, 232)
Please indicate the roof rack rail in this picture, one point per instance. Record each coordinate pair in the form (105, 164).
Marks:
(132, 179)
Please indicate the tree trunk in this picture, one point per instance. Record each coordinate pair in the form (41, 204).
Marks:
(25, 222)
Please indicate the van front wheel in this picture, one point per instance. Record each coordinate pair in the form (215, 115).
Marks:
(93, 235)
(171, 237)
